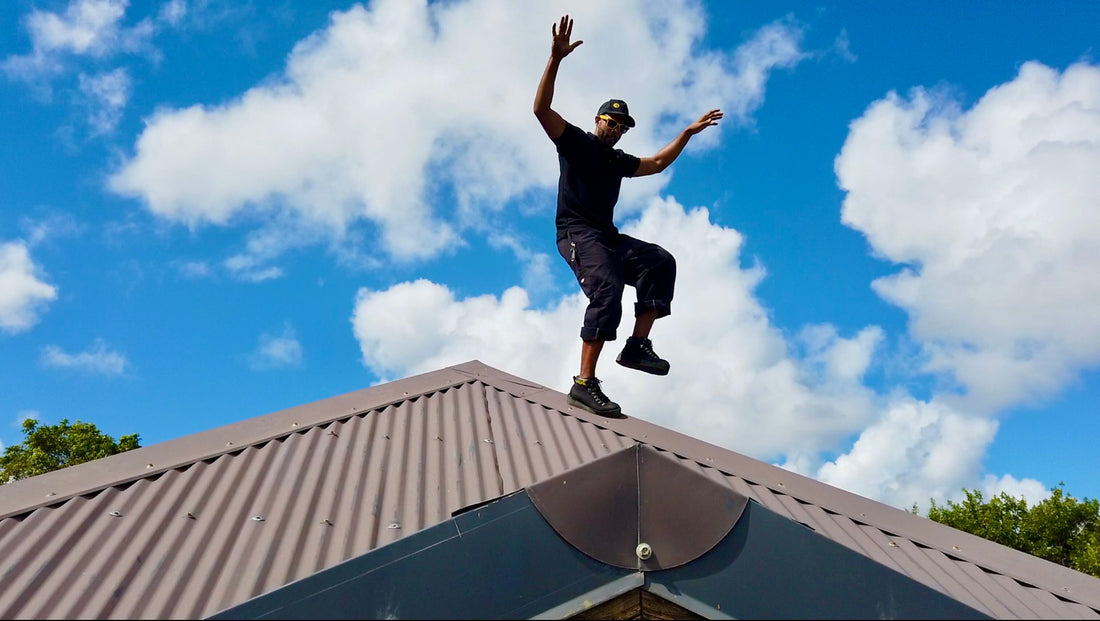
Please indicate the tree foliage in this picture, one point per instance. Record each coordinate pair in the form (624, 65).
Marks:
(52, 447)
(1061, 528)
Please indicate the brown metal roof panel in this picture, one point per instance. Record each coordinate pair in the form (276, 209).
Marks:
(534, 442)
(49, 536)
(476, 449)
(227, 532)
(798, 512)
(941, 580)
(522, 431)
(843, 530)
(115, 544)
(1044, 604)
(885, 551)
(162, 543)
(741, 486)
(1066, 609)
(1011, 594)
(980, 590)
(25, 494)
(778, 502)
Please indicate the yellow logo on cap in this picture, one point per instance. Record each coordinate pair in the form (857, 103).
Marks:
(615, 105)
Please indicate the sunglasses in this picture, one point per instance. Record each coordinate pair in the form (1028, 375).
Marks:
(613, 124)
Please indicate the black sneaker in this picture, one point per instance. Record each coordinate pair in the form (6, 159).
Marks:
(638, 354)
(586, 393)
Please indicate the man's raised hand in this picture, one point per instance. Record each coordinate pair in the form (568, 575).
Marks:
(705, 121)
(562, 31)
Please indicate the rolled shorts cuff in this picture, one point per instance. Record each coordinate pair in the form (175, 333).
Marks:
(664, 309)
(597, 334)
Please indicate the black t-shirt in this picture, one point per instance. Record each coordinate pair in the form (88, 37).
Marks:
(591, 173)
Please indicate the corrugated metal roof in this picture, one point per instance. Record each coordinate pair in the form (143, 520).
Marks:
(189, 527)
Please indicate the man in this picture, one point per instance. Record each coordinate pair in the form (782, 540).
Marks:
(603, 259)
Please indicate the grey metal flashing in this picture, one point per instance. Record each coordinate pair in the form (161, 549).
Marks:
(770, 567)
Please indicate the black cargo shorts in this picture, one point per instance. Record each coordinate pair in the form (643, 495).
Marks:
(606, 262)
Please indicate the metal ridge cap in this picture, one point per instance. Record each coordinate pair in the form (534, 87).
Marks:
(512, 384)
(31, 493)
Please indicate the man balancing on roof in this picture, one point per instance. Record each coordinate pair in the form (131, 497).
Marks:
(603, 259)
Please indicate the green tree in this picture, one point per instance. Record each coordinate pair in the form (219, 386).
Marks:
(52, 447)
(1061, 528)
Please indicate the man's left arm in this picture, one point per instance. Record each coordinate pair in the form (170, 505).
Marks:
(664, 157)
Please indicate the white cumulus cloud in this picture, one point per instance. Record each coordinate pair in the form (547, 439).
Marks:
(23, 292)
(993, 215)
(915, 452)
(394, 106)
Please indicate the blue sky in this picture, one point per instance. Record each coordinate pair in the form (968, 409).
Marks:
(887, 249)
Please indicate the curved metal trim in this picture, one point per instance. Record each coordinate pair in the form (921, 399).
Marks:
(608, 507)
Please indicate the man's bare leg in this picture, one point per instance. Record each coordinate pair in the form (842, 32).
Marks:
(644, 323)
(590, 354)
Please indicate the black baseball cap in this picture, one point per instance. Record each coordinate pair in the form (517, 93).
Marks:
(618, 108)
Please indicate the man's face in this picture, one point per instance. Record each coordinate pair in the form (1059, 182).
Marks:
(609, 128)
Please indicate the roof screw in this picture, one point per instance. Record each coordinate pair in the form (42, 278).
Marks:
(230, 443)
(954, 547)
(893, 545)
(387, 436)
(51, 494)
(643, 551)
(115, 514)
(332, 433)
(293, 424)
(488, 440)
(394, 526)
(148, 465)
(257, 518)
(326, 521)
(439, 438)
(190, 515)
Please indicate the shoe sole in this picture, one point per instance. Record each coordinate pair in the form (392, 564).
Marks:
(610, 414)
(644, 369)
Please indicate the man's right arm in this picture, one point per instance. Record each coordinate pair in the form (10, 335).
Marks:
(551, 121)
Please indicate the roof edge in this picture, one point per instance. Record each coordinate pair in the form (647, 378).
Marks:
(52, 487)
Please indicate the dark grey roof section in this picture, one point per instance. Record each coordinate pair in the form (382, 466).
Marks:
(764, 566)
(197, 525)
(501, 561)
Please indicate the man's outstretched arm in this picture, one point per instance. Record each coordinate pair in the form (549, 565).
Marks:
(664, 157)
(551, 121)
